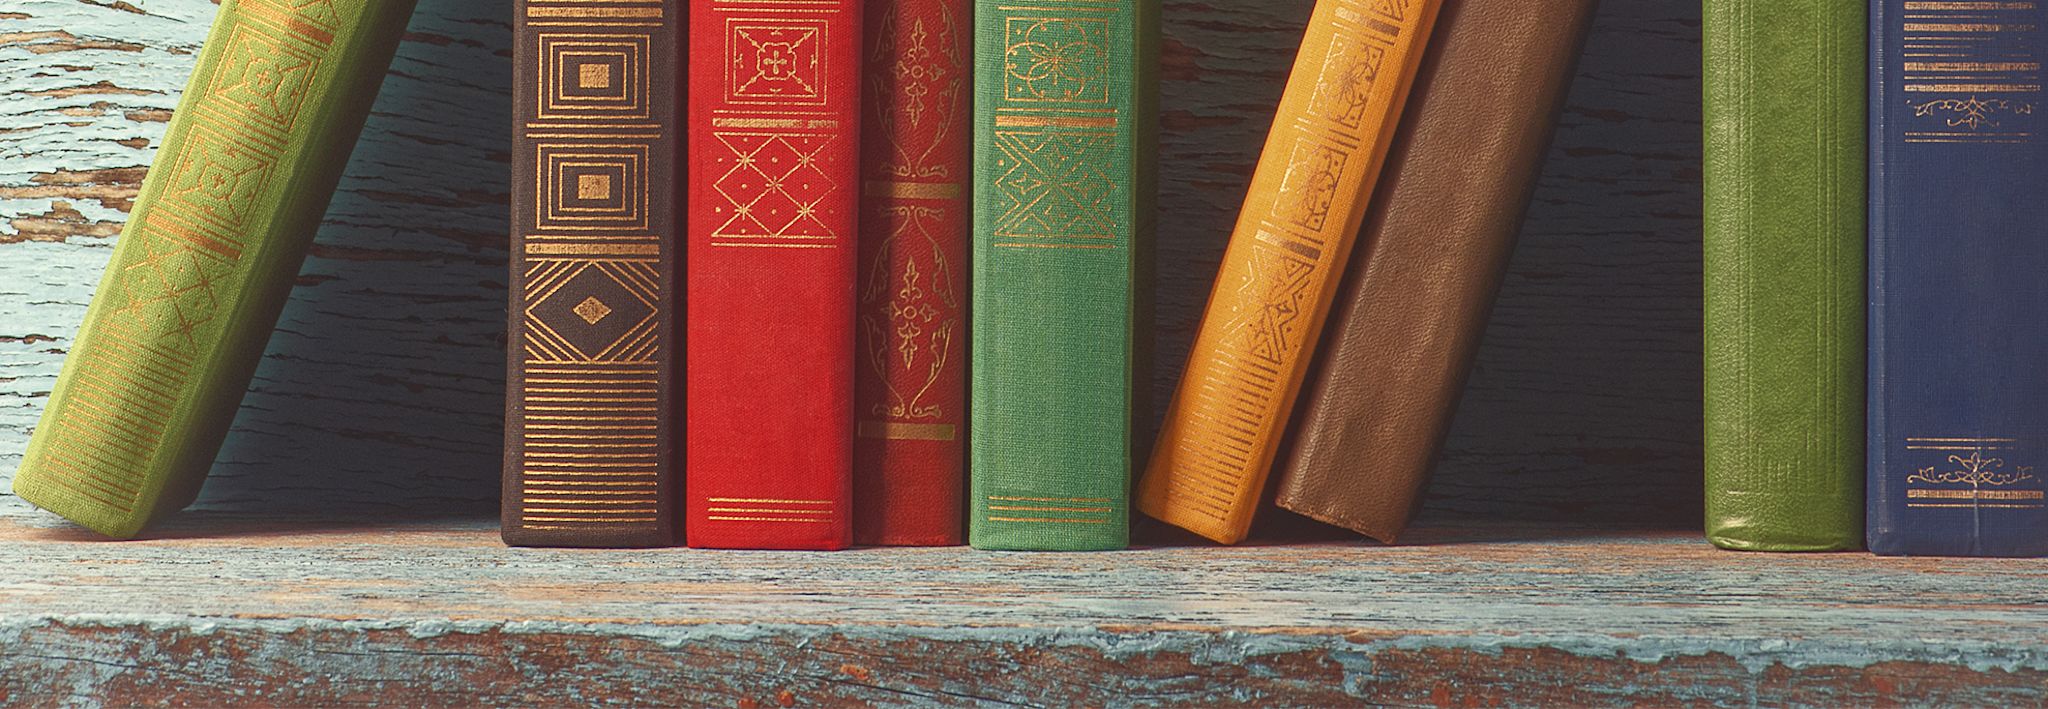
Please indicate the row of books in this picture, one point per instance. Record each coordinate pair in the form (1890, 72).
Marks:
(843, 185)
(1877, 361)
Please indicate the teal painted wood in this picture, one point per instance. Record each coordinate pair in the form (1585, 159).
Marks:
(380, 393)
(443, 614)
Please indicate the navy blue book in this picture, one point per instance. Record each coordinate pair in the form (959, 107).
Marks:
(1958, 280)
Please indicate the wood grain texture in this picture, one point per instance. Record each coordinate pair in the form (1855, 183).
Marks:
(443, 614)
(380, 393)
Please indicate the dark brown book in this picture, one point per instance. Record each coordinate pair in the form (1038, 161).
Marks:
(588, 403)
(1417, 290)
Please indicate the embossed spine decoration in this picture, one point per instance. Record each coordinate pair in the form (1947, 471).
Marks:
(1957, 431)
(773, 237)
(589, 410)
(207, 257)
(910, 400)
(1281, 269)
(1065, 105)
(1784, 293)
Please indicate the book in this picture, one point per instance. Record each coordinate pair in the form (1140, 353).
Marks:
(1784, 201)
(207, 257)
(1957, 433)
(1414, 298)
(589, 402)
(910, 379)
(1307, 199)
(1065, 112)
(774, 185)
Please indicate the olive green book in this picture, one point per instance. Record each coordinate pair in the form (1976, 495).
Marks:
(1784, 265)
(1064, 113)
(207, 257)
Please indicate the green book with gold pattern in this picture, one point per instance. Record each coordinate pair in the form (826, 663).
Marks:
(1064, 112)
(203, 266)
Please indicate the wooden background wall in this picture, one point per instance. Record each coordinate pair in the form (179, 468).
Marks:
(380, 394)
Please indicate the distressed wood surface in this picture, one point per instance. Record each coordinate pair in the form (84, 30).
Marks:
(258, 610)
(381, 390)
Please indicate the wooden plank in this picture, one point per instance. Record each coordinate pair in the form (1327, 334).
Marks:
(380, 392)
(303, 611)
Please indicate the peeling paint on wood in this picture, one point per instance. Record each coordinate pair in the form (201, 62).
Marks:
(244, 610)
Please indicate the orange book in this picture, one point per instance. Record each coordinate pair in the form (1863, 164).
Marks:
(1310, 192)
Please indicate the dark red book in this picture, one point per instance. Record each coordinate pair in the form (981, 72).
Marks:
(774, 153)
(910, 401)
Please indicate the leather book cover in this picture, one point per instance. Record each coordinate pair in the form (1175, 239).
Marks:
(1784, 271)
(1307, 199)
(1414, 298)
(1958, 344)
(774, 185)
(910, 381)
(588, 402)
(1065, 111)
(207, 257)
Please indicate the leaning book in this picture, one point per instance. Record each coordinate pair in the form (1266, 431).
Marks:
(203, 266)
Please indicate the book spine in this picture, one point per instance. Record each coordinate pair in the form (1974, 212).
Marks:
(207, 258)
(1307, 199)
(1957, 347)
(774, 173)
(1414, 298)
(588, 403)
(910, 397)
(1784, 258)
(1065, 101)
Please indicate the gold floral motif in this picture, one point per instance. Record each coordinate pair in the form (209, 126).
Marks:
(1975, 471)
(909, 313)
(1056, 59)
(1344, 86)
(1972, 112)
(926, 80)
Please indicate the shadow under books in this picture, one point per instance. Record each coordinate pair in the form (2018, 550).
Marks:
(380, 395)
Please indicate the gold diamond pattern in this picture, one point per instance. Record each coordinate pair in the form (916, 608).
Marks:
(592, 310)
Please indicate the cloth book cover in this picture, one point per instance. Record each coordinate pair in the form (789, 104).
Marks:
(910, 395)
(1065, 107)
(1414, 298)
(1273, 291)
(1784, 272)
(207, 257)
(774, 184)
(588, 402)
(1958, 280)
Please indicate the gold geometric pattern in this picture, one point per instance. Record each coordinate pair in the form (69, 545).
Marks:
(780, 62)
(1056, 59)
(1051, 186)
(592, 310)
(168, 287)
(591, 186)
(580, 310)
(1271, 295)
(594, 77)
(774, 186)
(590, 335)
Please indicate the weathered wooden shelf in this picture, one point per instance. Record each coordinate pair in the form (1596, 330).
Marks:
(220, 609)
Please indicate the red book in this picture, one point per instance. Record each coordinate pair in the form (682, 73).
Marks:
(774, 130)
(910, 402)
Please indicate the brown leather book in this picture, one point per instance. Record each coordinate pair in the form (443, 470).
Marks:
(595, 199)
(1416, 292)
